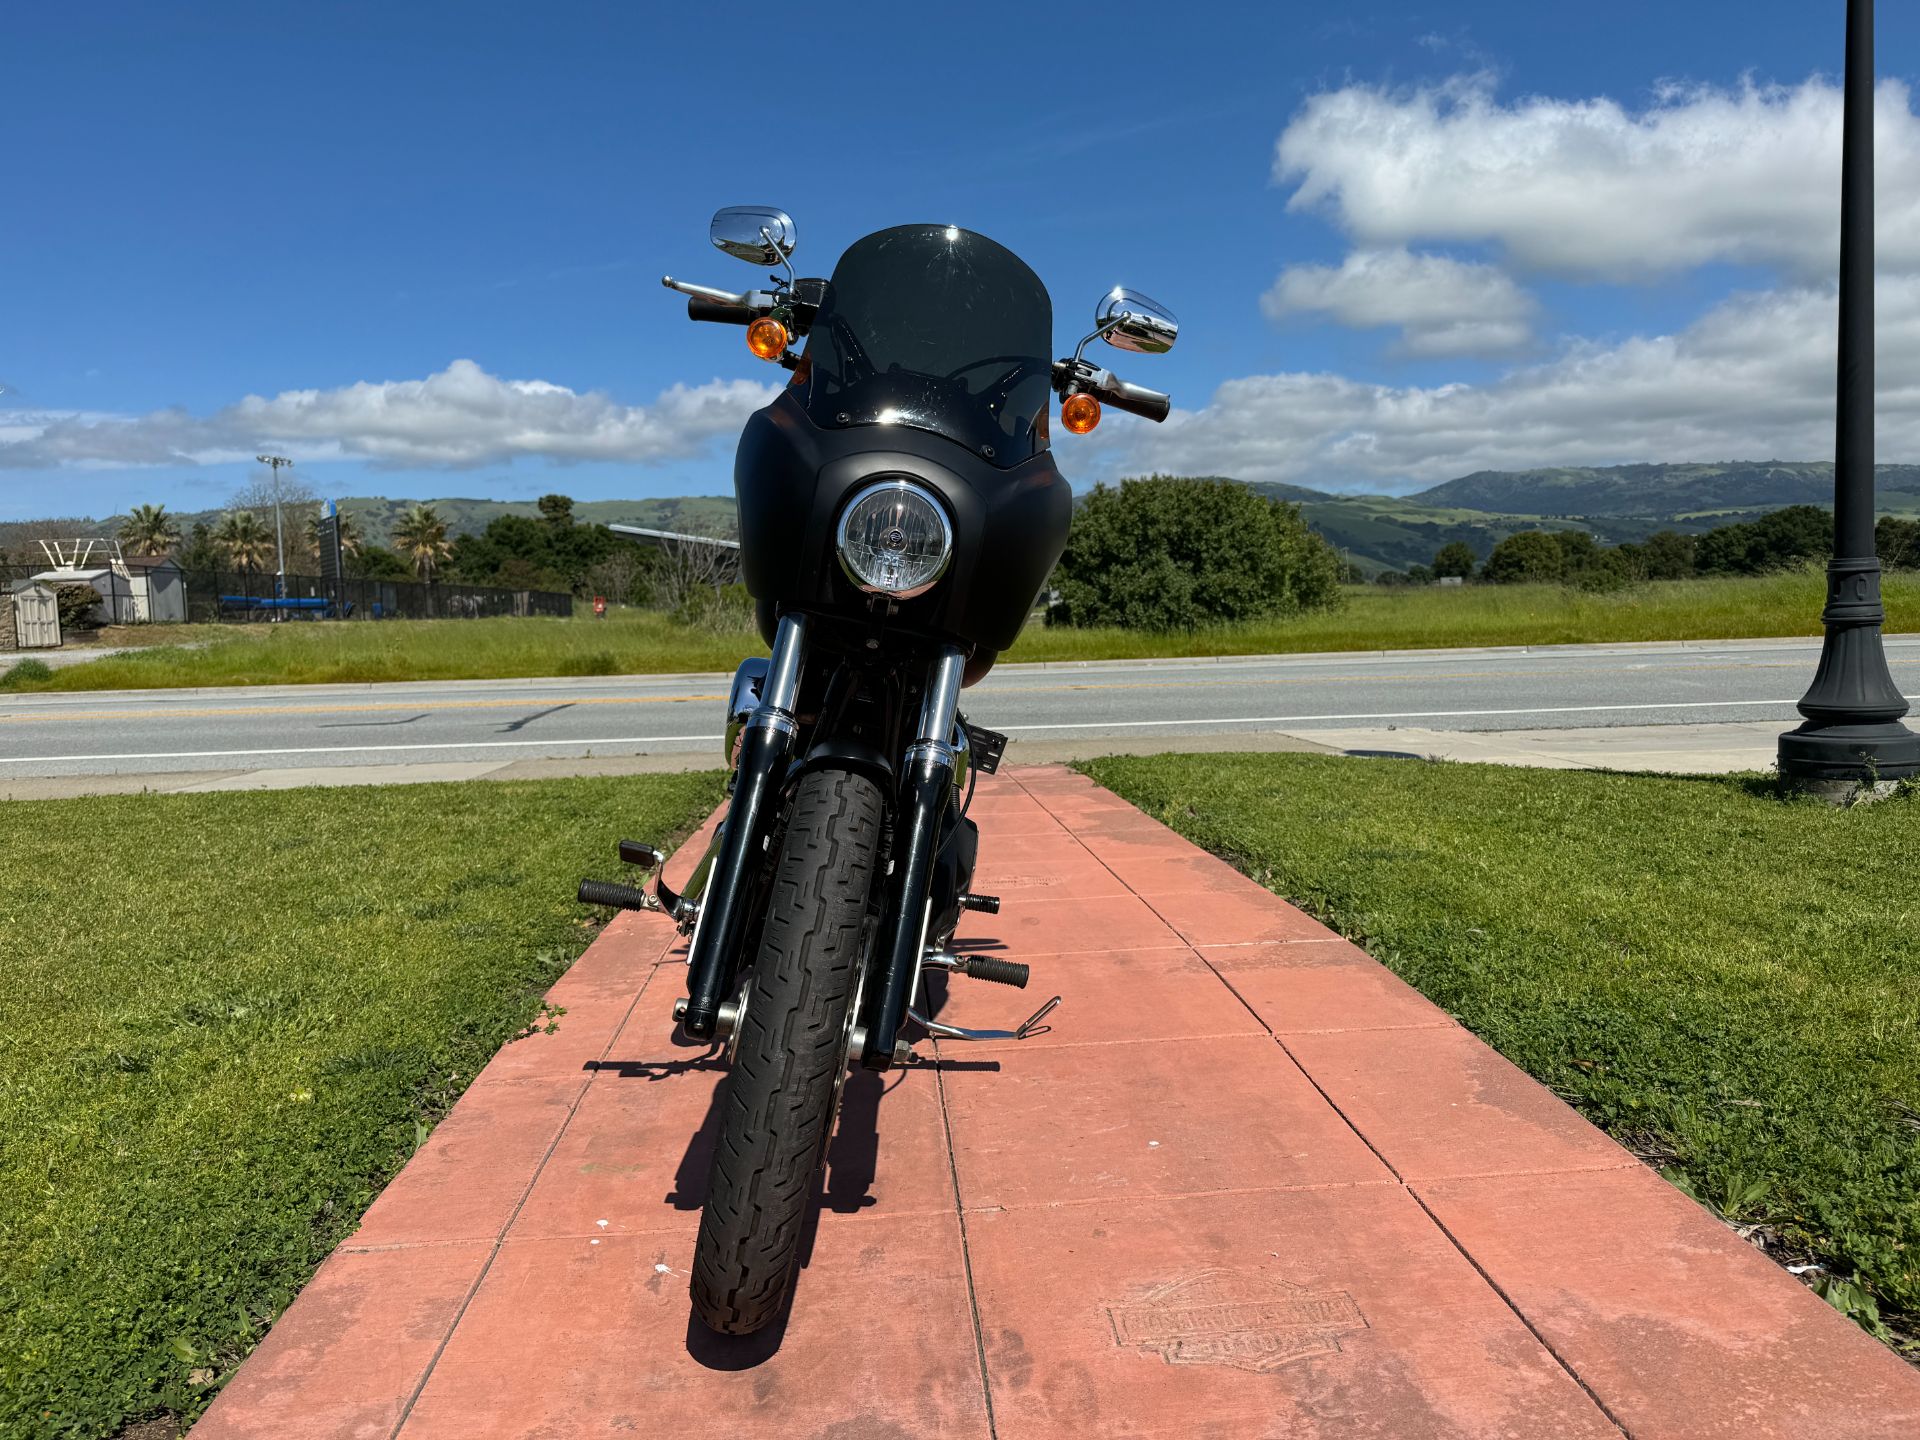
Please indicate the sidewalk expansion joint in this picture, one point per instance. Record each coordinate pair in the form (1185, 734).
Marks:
(966, 1254)
(1520, 1315)
(1161, 1197)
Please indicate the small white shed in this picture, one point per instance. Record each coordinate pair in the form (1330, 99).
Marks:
(36, 617)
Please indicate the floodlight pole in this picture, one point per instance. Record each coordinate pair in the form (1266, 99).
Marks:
(279, 530)
(1853, 735)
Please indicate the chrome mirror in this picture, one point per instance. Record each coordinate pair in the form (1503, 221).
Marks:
(1134, 322)
(754, 233)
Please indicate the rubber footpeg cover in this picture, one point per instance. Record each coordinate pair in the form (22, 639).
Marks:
(1000, 972)
(620, 897)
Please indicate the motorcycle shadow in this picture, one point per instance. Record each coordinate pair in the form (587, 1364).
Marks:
(845, 1187)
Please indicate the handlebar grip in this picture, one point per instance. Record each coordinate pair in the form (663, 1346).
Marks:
(1136, 400)
(717, 312)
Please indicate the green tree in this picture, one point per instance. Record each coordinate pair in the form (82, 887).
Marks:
(556, 510)
(529, 554)
(421, 536)
(377, 562)
(1167, 553)
(246, 543)
(1666, 555)
(1778, 541)
(200, 551)
(1455, 559)
(1533, 557)
(1898, 542)
(150, 530)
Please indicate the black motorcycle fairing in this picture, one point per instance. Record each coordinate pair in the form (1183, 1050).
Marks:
(791, 478)
(935, 328)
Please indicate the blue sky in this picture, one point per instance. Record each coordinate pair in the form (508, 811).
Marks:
(220, 201)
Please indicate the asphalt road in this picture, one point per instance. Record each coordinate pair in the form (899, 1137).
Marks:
(149, 732)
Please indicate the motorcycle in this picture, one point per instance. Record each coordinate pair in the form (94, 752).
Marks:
(900, 511)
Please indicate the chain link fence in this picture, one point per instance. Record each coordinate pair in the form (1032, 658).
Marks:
(239, 597)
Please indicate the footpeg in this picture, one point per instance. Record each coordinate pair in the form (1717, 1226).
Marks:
(981, 967)
(645, 857)
(620, 897)
(986, 904)
(1025, 1030)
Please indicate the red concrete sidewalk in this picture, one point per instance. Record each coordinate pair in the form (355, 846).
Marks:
(1249, 1185)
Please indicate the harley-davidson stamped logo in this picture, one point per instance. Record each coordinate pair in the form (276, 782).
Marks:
(1228, 1317)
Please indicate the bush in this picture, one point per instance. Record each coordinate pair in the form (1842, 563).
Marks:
(1175, 554)
(24, 671)
(719, 610)
(598, 662)
(78, 604)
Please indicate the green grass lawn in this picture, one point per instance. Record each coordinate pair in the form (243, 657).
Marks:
(639, 642)
(225, 1021)
(1726, 981)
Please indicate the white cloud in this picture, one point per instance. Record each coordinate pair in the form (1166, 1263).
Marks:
(461, 416)
(1591, 189)
(1442, 306)
(1751, 379)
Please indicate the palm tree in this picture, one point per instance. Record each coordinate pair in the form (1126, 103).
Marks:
(245, 539)
(421, 536)
(150, 530)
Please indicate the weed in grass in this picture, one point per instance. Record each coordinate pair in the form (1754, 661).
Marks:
(216, 1051)
(1727, 983)
(25, 672)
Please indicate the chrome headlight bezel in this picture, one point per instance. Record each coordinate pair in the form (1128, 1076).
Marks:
(901, 486)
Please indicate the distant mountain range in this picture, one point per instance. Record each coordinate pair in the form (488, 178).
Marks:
(1376, 532)
(1617, 503)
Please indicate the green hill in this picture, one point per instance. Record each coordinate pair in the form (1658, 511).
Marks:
(1662, 491)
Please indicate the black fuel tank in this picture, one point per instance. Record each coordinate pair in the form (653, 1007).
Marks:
(791, 479)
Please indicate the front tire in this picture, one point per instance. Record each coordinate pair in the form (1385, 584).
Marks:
(777, 1101)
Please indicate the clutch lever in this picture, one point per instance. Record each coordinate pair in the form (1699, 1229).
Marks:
(704, 292)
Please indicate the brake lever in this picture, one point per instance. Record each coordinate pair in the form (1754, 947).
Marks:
(704, 292)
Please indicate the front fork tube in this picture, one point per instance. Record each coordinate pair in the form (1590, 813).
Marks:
(926, 791)
(765, 746)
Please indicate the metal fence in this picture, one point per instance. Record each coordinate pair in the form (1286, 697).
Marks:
(239, 596)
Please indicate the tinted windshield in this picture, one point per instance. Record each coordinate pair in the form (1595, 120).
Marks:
(937, 328)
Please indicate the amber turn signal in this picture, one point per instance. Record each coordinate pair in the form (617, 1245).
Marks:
(767, 338)
(1079, 412)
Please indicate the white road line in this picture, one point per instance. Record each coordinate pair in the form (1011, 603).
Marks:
(1407, 715)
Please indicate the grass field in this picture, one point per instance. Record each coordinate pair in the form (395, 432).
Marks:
(225, 1020)
(1726, 981)
(642, 642)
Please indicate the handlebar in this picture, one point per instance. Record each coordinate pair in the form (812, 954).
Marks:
(1135, 399)
(718, 311)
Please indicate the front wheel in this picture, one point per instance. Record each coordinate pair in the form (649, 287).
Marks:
(778, 1098)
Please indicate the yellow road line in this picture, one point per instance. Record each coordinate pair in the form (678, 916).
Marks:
(377, 705)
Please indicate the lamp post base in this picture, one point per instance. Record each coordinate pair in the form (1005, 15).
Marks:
(1846, 764)
(1852, 737)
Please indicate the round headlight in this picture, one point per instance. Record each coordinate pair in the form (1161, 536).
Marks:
(894, 539)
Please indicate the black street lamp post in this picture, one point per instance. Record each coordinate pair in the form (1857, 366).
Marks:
(1853, 735)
